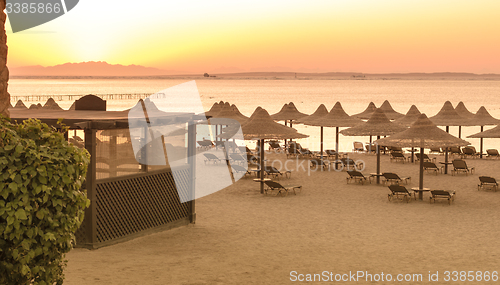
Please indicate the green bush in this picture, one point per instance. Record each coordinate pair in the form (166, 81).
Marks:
(41, 204)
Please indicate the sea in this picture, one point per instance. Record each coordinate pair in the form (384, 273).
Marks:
(271, 94)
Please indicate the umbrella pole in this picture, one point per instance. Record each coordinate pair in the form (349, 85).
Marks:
(336, 147)
(421, 178)
(481, 145)
(459, 132)
(261, 166)
(321, 144)
(378, 162)
(290, 127)
(370, 146)
(446, 154)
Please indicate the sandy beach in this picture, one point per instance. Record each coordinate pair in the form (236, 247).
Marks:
(244, 237)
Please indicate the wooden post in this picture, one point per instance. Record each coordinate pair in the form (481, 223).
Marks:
(191, 154)
(261, 166)
(421, 177)
(378, 162)
(336, 147)
(321, 144)
(90, 221)
(481, 145)
(446, 154)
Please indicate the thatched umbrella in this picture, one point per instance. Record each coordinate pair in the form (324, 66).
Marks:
(482, 118)
(462, 111)
(389, 111)
(20, 105)
(378, 125)
(367, 113)
(260, 126)
(35, 106)
(337, 117)
(288, 113)
(422, 134)
(51, 105)
(447, 116)
(216, 108)
(237, 112)
(226, 111)
(410, 117)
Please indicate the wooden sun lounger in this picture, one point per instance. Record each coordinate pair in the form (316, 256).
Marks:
(357, 176)
(442, 194)
(399, 191)
(487, 182)
(283, 190)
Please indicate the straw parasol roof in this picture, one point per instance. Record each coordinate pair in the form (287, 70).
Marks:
(389, 111)
(35, 106)
(20, 105)
(483, 118)
(51, 105)
(337, 117)
(366, 114)
(423, 133)
(237, 111)
(377, 125)
(462, 110)
(261, 126)
(226, 111)
(288, 112)
(216, 108)
(447, 116)
(321, 111)
(410, 117)
(491, 133)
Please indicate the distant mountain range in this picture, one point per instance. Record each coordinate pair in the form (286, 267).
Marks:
(90, 68)
(104, 69)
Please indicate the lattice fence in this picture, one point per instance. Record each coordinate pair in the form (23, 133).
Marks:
(128, 205)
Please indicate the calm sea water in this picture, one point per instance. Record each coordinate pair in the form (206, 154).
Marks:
(428, 95)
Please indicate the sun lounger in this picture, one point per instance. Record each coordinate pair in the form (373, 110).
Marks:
(455, 150)
(358, 147)
(461, 166)
(394, 178)
(274, 172)
(330, 153)
(442, 194)
(397, 156)
(240, 169)
(431, 166)
(493, 153)
(469, 151)
(274, 145)
(236, 158)
(283, 190)
(348, 163)
(436, 150)
(395, 149)
(425, 157)
(371, 148)
(205, 144)
(209, 157)
(304, 152)
(316, 163)
(487, 182)
(398, 191)
(357, 177)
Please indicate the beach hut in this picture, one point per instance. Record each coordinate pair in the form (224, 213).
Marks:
(260, 126)
(447, 117)
(337, 118)
(378, 125)
(389, 111)
(366, 114)
(422, 134)
(483, 118)
(410, 117)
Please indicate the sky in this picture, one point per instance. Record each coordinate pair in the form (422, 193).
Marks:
(368, 36)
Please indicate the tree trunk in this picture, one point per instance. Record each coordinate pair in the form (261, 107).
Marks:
(4, 72)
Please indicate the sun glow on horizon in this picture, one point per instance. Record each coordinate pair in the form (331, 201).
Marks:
(359, 35)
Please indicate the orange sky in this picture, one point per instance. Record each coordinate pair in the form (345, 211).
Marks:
(356, 35)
